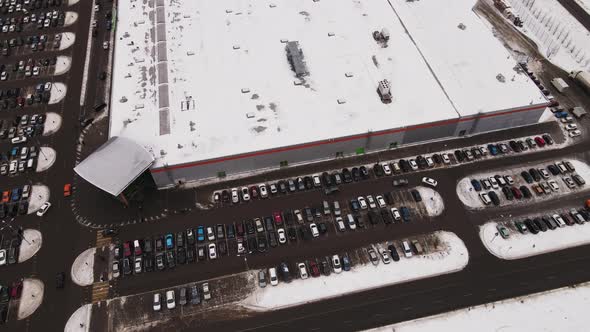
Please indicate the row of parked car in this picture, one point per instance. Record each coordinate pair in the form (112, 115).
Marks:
(44, 20)
(10, 251)
(547, 222)
(185, 296)
(19, 159)
(15, 202)
(17, 97)
(30, 69)
(25, 6)
(6, 294)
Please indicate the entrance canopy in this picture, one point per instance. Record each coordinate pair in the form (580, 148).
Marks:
(115, 165)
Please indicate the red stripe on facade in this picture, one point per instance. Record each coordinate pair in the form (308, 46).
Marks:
(345, 139)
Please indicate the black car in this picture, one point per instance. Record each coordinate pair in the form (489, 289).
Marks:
(272, 239)
(327, 179)
(551, 224)
(190, 254)
(268, 223)
(354, 205)
(404, 165)
(540, 224)
(416, 195)
(476, 185)
(508, 193)
(180, 239)
(159, 244)
(181, 255)
(60, 280)
(23, 207)
(325, 267)
(148, 263)
(514, 146)
(393, 252)
(109, 232)
(459, 156)
(531, 226)
(126, 266)
(527, 177)
(262, 243)
(548, 139)
(222, 248)
(170, 261)
(322, 227)
(288, 217)
(220, 231)
(250, 226)
(526, 193)
(535, 174)
(282, 187)
(364, 172)
(308, 182)
(494, 197)
(252, 244)
(347, 177)
(553, 169)
(231, 231)
(378, 170)
(356, 175)
(225, 196)
(292, 234)
(284, 272)
(437, 158)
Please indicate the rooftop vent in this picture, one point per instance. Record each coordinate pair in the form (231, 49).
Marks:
(295, 57)
(384, 91)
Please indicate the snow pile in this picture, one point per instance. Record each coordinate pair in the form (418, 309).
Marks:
(79, 321)
(563, 309)
(31, 297)
(560, 37)
(39, 195)
(525, 245)
(71, 18)
(453, 257)
(67, 40)
(58, 92)
(470, 198)
(83, 268)
(62, 65)
(72, 2)
(30, 245)
(46, 158)
(52, 123)
(432, 201)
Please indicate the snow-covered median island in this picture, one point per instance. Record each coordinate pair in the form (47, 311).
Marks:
(519, 245)
(83, 268)
(450, 256)
(58, 93)
(432, 201)
(562, 309)
(52, 123)
(46, 158)
(79, 321)
(63, 65)
(71, 18)
(31, 297)
(67, 40)
(30, 245)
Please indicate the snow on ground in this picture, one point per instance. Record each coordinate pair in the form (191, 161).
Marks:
(451, 258)
(432, 201)
(31, 297)
(71, 18)
(46, 158)
(72, 2)
(585, 4)
(562, 309)
(83, 268)
(470, 198)
(79, 321)
(559, 36)
(52, 123)
(31, 244)
(63, 65)
(58, 92)
(525, 245)
(39, 195)
(67, 40)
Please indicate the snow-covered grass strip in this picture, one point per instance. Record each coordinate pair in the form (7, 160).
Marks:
(562, 309)
(39, 195)
(52, 123)
(470, 198)
(87, 60)
(432, 201)
(451, 257)
(83, 268)
(79, 321)
(31, 297)
(63, 65)
(67, 40)
(58, 92)
(46, 158)
(71, 18)
(30, 245)
(519, 245)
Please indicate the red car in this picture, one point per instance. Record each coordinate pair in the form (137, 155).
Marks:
(540, 141)
(5, 196)
(16, 289)
(277, 218)
(254, 192)
(516, 192)
(314, 269)
(67, 190)
(126, 249)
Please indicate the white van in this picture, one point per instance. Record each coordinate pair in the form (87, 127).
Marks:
(407, 249)
(351, 222)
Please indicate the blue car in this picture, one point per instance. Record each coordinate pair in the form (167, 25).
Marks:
(201, 233)
(15, 194)
(476, 185)
(493, 149)
(561, 114)
(169, 241)
(14, 152)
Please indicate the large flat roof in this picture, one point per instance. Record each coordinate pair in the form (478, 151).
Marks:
(200, 79)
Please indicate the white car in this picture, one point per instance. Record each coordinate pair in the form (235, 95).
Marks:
(396, 214)
(340, 224)
(559, 220)
(105, 45)
(19, 140)
(137, 265)
(245, 194)
(262, 190)
(509, 179)
(380, 201)
(336, 264)
(413, 165)
(429, 181)
(116, 272)
(314, 230)
(485, 198)
(362, 202)
(170, 299)
(316, 181)
(553, 184)
(272, 274)
(210, 234)
(157, 303)
(302, 271)
(43, 209)
(446, 159)
(212, 251)
(282, 237)
(429, 162)
(235, 198)
(385, 257)
(2, 257)
(386, 169)
(571, 126)
(575, 133)
(371, 202)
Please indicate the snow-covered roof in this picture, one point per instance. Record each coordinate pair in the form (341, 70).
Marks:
(115, 165)
(200, 79)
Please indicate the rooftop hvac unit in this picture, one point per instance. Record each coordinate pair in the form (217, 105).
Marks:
(384, 91)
